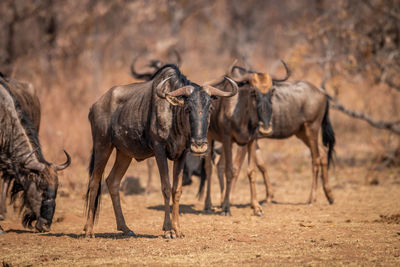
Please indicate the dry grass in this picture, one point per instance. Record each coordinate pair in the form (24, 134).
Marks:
(359, 229)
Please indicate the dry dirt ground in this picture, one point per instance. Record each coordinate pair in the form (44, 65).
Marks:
(362, 227)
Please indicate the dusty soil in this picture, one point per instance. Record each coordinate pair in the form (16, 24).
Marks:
(362, 227)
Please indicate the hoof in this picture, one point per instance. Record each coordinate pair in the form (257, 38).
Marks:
(209, 210)
(172, 234)
(226, 213)
(89, 235)
(259, 213)
(331, 201)
(2, 217)
(130, 234)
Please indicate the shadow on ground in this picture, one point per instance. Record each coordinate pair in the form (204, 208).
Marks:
(184, 209)
(101, 235)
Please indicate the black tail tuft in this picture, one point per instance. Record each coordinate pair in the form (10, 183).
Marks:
(328, 135)
(98, 195)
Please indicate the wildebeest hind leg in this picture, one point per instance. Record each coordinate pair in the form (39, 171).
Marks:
(176, 195)
(113, 180)
(101, 154)
(310, 137)
(324, 175)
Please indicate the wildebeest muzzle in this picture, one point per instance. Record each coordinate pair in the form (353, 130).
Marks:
(47, 210)
(198, 146)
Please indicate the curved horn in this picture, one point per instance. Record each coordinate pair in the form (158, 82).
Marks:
(33, 164)
(212, 91)
(231, 67)
(183, 91)
(215, 81)
(178, 57)
(64, 165)
(287, 73)
(142, 76)
(160, 86)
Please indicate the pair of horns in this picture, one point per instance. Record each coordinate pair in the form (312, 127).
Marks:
(154, 64)
(244, 75)
(34, 164)
(188, 90)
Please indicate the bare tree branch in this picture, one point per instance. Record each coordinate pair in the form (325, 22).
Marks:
(335, 103)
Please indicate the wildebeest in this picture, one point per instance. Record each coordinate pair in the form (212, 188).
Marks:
(152, 67)
(29, 102)
(239, 120)
(298, 108)
(164, 117)
(193, 165)
(22, 161)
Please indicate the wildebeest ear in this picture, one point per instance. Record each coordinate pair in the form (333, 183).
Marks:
(174, 100)
(262, 81)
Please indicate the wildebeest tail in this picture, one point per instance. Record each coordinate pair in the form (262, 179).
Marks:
(98, 194)
(328, 135)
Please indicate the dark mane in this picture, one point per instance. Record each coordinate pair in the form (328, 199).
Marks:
(182, 78)
(26, 122)
(242, 69)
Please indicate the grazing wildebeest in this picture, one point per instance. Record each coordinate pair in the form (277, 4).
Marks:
(164, 117)
(22, 161)
(29, 102)
(301, 109)
(239, 120)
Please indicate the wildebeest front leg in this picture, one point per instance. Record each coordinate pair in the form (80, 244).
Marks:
(150, 164)
(251, 173)
(162, 163)
(3, 204)
(221, 175)
(241, 152)
(113, 180)
(227, 146)
(176, 195)
(263, 169)
(208, 167)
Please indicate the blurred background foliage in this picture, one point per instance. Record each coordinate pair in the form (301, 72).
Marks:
(73, 51)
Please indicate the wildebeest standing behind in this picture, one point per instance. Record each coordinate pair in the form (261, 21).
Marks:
(162, 118)
(29, 102)
(300, 109)
(238, 120)
(22, 162)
